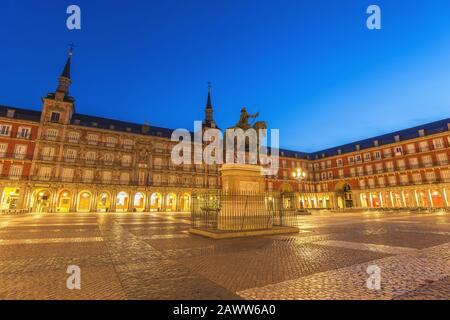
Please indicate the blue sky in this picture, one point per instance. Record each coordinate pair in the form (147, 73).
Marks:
(311, 68)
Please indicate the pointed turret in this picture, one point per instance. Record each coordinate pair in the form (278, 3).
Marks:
(209, 120)
(64, 80)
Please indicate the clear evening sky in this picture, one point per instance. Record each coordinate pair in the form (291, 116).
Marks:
(311, 68)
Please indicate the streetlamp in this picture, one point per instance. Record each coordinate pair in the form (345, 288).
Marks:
(299, 174)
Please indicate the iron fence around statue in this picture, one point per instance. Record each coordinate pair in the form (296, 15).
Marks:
(240, 211)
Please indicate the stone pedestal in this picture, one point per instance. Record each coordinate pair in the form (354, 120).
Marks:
(243, 203)
(242, 178)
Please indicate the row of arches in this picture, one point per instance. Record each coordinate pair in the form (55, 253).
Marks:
(44, 200)
(429, 198)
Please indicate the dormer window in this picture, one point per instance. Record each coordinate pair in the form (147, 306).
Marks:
(10, 113)
(421, 133)
(397, 138)
(55, 117)
(376, 143)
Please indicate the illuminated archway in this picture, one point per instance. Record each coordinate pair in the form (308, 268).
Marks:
(139, 202)
(10, 198)
(171, 202)
(84, 201)
(122, 202)
(185, 202)
(42, 200)
(344, 195)
(104, 202)
(438, 199)
(156, 202)
(63, 201)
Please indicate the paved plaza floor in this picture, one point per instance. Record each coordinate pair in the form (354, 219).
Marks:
(152, 256)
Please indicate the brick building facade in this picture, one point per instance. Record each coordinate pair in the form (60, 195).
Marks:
(57, 160)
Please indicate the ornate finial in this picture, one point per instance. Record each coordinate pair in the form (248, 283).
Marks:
(71, 46)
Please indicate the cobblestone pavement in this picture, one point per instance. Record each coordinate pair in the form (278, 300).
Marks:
(152, 256)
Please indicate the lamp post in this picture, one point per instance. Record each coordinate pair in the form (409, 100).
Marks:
(299, 175)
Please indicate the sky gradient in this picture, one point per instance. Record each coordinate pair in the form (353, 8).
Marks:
(311, 68)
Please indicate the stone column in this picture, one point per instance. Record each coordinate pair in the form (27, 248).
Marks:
(416, 198)
(444, 195)
(381, 199)
(391, 195)
(403, 199)
(430, 198)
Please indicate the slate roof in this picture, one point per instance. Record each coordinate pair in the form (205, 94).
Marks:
(123, 126)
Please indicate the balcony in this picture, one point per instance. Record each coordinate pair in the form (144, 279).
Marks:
(23, 136)
(19, 156)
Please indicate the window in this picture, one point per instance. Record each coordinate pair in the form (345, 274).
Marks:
(430, 176)
(398, 151)
(339, 162)
(67, 174)
(157, 163)
(51, 134)
(73, 136)
(24, 133)
(367, 157)
(445, 175)
(417, 177)
(3, 149)
(10, 113)
(377, 155)
(90, 156)
(413, 163)
(124, 177)
(404, 179)
(45, 173)
(55, 116)
(126, 160)
(20, 151)
(351, 160)
(341, 173)
(352, 172)
(92, 139)
(358, 158)
(369, 169)
(141, 177)
(5, 130)
(427, 161)
(379, 167)
(381, 181)
(423, 146)
(15, 172)
(111, 141)
(438, 143)
(371, 182)
(70, 155)
(392, 180)
(411, 148)
(106, 176)
(362, 184)
(387, 153)
(401, 164)
(88, 175)
(330, 174)
(108, 158)
(442, 158)
(128, 143)
(389, 166)
(48, 153)
(360, 171)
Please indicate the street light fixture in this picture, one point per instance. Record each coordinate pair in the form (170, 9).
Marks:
(299, 174)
